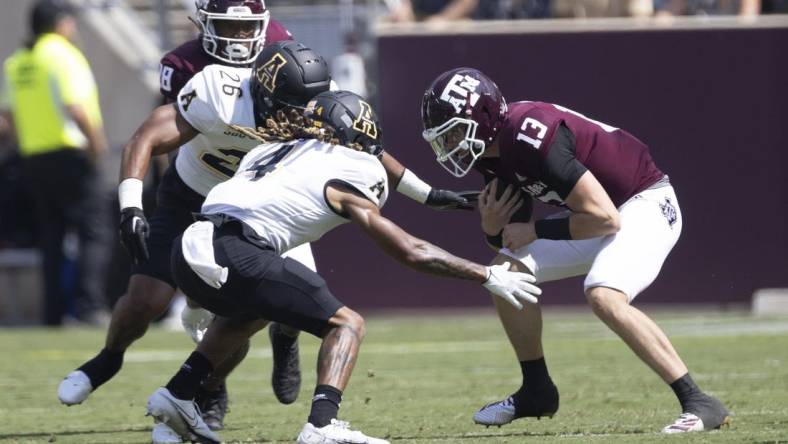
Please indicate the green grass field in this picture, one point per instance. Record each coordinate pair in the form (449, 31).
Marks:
(419, 379)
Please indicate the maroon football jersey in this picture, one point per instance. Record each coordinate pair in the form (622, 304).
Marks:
(618, 160)
(178, 66)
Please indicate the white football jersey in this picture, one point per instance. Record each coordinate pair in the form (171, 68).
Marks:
(279, 189)
(214, 98)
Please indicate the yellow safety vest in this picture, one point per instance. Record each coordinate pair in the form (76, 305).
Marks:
(39, 84)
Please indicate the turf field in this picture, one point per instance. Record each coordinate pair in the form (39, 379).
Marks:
(419, 379)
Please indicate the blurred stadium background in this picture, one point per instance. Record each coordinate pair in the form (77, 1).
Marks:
(704, 83)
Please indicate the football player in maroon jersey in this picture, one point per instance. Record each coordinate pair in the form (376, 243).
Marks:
(232, 33)
(619, 219)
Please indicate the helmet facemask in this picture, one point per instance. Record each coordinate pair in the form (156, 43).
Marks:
(236, 50)
(455, 144)
(462, 112)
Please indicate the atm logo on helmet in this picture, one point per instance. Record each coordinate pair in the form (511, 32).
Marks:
(459, 90)
(267, 73)
(365, 123)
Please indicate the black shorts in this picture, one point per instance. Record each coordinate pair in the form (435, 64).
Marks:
(176, 203)
(260, 283)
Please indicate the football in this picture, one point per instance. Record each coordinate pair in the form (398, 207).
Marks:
(523, 214)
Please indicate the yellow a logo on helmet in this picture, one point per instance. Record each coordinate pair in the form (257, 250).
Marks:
(267, 73)
(364, 123)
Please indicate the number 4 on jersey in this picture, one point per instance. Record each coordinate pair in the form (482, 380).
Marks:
(266, 165)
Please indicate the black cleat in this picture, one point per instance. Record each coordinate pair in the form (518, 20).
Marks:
(523, 404)
(286, 375)
(213, 406)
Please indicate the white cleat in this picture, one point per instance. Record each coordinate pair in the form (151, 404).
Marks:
(338, 432)
(686, 422)
(74, 388)
(181, 416)
(164, 434)
(497, 413)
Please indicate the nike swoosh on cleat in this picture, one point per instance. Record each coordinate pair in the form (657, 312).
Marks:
(192, 423)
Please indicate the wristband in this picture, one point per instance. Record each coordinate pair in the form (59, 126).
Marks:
(130, 193)
(553, 229)
(495, 241)
(413, 187)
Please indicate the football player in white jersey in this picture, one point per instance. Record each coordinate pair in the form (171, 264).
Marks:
(285, 74)
(207, 156)
(287, 193)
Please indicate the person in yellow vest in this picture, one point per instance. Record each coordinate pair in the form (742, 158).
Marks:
(51, 100)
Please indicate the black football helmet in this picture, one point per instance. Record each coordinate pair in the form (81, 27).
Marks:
(286, 73)
(462, 112)
(349, 116)
(219, 20)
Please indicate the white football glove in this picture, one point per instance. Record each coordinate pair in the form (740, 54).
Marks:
(196, 321)
(511, 285)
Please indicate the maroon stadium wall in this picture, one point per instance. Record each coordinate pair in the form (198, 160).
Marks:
(711, 104)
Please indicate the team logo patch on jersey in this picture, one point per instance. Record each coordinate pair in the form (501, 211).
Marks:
(539, 190)
(186, 100)
(365, 123)
(377, 189)
(267, 73)
(669, 211)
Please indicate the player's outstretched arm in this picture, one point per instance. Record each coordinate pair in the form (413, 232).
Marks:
(163, 131)
(406, 182)
(423, 256)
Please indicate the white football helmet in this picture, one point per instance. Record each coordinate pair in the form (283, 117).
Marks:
(232, 31)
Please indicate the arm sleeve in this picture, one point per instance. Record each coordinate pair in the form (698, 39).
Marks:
(197, 105)
(561, 170)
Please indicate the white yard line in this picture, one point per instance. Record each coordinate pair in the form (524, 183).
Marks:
(693, 327)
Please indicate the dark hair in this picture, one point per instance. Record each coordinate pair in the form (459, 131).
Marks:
(46, 13)
(295, 126)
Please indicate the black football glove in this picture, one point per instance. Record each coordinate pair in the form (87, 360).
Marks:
(134, 231)
(450, 200)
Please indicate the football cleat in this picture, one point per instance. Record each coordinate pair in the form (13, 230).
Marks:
(686, 422)
(286, 374)
(496, 413)
(182, 416)
(164, 434)
(75, 388)
(533, 404)
(703, 413)
(338, 432)
(213, 406)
